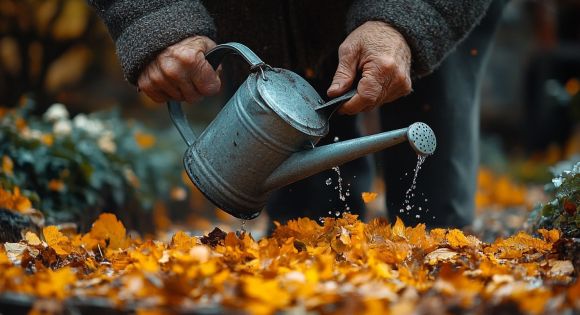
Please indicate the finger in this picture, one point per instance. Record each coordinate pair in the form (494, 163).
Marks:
(368, 95)
(147, 87)
(194, 74)
(205, 78)
(346, 70)
(177, 78)
(164, 83)
(401, 87)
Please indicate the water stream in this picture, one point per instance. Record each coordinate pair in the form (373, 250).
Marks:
(410, 193)
(243, 226)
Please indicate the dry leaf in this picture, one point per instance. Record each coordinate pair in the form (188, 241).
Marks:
(56, 240)
(107, 228)
(369, 196)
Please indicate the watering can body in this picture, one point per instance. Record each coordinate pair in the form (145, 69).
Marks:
(265, 137)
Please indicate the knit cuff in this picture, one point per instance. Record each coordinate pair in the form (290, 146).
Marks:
(140, 42)
(425, 30)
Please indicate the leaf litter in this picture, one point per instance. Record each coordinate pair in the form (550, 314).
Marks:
(341, 266)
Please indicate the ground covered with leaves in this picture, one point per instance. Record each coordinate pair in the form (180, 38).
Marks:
(342, 266)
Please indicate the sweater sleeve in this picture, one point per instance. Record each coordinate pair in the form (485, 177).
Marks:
(432, 28)
(143, 28)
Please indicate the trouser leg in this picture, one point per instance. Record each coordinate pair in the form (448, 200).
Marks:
(448, 101)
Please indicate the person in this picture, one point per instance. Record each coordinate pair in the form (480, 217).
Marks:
(383, 48)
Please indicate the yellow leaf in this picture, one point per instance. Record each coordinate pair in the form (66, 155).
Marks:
(182, 241)
(550, 235)
(32, 238)
(266, 291)
(369, 196)
(457, 239)
(107, 228)
(55, 239)
(55, 283)
(399, 230)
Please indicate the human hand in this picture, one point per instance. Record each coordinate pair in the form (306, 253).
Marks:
(181, 72)
(382, 55)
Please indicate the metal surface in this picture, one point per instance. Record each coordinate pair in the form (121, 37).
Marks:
(422, 138)
(265, 137)
(331, 106)
(312, 161)
(293, 99)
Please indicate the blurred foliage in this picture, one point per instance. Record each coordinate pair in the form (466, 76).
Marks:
(42, 46)
(563, 211)
(72, 169)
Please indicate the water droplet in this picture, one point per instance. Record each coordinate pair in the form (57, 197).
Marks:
(420, 209)
(336, 139)
(408, 207)
(321, 219)
(401, 210)
(243, 226)
(426, 199)
(329, 212)
(328, 181)
(417, 216)
(337, 213)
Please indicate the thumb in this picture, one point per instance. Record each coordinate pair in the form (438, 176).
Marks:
(345, 72)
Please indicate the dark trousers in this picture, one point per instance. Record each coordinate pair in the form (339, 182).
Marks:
(448, 101)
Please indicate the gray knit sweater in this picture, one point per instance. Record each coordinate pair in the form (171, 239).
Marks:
(295, 31)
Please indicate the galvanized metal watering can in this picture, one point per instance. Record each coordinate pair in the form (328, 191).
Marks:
(264, 137)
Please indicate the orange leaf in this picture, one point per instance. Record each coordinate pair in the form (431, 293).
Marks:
(182, 241)
(7, 165)
(32, 238)
(144, 141)
(457, 239)
(55, 239)
(399, 230)
(550, 235)
(369, 196)
(107, 228)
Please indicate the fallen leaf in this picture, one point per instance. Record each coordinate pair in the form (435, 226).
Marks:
(110, 230)
(369, 196)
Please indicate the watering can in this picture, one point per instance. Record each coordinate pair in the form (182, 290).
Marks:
(265, 137)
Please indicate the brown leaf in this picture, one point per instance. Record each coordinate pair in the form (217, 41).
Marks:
(214, 237)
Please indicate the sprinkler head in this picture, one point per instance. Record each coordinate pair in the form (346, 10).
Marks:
(422, 138)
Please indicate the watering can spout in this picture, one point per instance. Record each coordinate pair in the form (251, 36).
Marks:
(309, 162)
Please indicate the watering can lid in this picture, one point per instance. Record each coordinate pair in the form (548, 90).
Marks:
(293, 99)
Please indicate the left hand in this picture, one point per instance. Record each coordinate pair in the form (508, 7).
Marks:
(382, 55)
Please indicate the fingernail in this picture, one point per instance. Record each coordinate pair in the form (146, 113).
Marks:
(335, 86)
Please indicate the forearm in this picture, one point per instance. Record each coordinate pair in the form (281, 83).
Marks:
(432, 28)
(143, 28)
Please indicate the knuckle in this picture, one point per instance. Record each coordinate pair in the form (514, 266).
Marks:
(346, 49)
(385, 64)
(156, 78)
(171, 70)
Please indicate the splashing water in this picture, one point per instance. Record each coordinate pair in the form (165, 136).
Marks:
(409, 194)
(343, 192)
(243, 226)
(341, 196)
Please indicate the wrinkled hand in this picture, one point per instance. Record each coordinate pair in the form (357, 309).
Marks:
(384, 59)
(181, 73)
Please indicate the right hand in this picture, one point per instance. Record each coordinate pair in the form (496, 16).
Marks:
(181, 72)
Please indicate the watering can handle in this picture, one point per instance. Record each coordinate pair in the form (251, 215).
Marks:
(214, 57)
